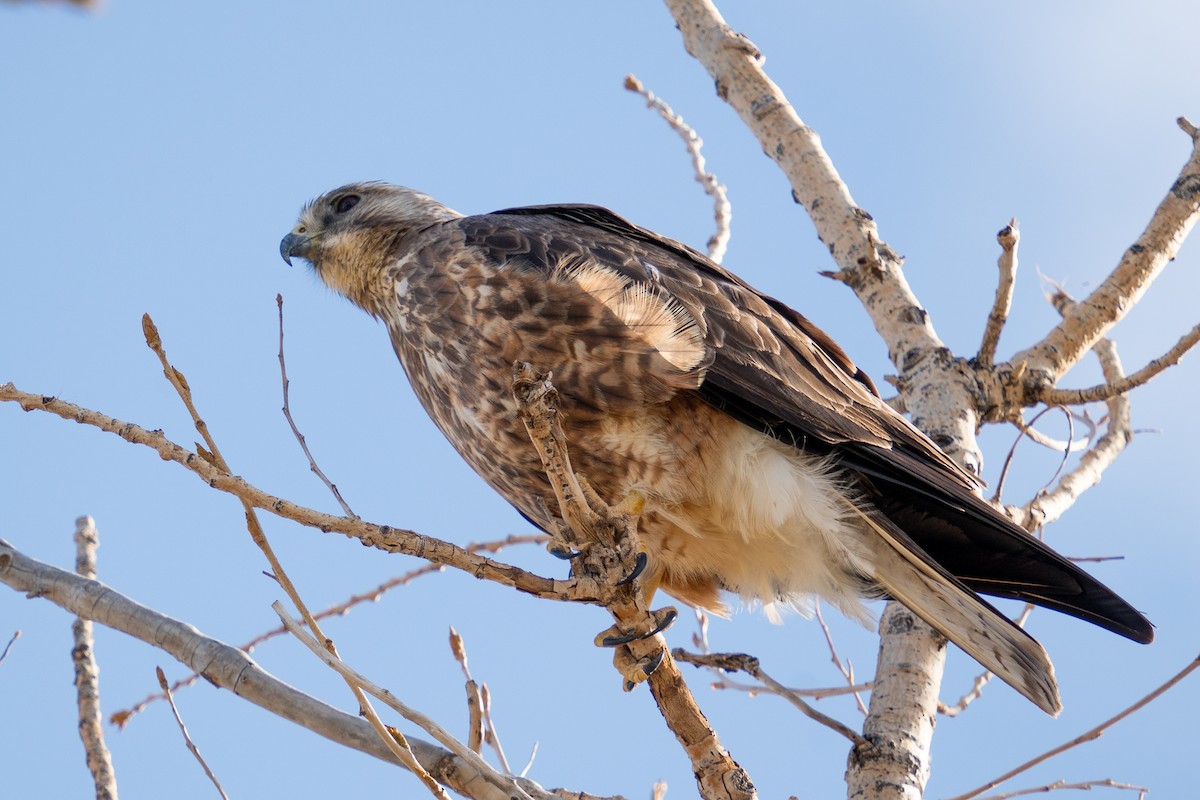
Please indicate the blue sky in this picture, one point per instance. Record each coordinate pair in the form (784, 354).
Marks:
(153, 155)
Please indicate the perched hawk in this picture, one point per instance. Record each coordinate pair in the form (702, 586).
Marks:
(768, 463)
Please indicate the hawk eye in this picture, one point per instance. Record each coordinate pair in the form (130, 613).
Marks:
(345, 203)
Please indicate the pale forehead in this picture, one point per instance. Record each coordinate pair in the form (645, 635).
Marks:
(399, 201)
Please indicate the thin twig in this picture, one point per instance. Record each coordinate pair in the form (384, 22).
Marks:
(1009, 236)
(753, 690)
(847, 670)
(162, 681)
(1023, 432)
(474, 701)
(383, 537)
(1073, 445)
(529, 763)
(16, 635)
(490, 734)
(722, 211)
(1103, 391)
(1087, 786)
(481, 727)
(122, 718)
(740, 662)
(287, 412)
(398, 744)
(1087, 736)
(227, 667)
(363, 684)
(87, 674)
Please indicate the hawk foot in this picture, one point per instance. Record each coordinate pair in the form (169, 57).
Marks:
(636, 670)
(614, 636)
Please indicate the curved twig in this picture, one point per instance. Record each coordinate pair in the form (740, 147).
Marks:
(718, 243)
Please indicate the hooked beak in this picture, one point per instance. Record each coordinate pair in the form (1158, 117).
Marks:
(297, 244)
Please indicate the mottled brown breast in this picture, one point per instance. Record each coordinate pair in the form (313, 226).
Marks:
(471, 304)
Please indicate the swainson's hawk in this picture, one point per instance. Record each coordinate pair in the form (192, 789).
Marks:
(769, 464)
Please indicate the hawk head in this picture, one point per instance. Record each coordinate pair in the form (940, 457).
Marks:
(349, 235)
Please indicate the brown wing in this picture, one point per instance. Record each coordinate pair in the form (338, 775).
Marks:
(774, 370)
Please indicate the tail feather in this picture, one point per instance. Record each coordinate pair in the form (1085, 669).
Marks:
(910, 576)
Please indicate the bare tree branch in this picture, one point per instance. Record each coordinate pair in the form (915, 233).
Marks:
(87, 673)
(846, 669)
(1009, 236)
(740, 662)
(227, 667)
(1104, 391)
(382, 537)
(287, 413)
(394, 740)
(1050, 505)
(1107, 783)
(722, 211)
(121, 718)
(1095, 315)
(334, 662)
(932, 381)
(1086, 736)
(187, 737)
(474, 701)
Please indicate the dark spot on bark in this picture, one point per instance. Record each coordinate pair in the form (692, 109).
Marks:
(1187, 188)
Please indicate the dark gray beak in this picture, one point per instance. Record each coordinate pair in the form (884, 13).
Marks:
(295, 245)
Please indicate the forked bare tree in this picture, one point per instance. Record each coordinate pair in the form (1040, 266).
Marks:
(949, 396)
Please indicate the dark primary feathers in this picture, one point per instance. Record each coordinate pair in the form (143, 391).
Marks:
(771, 466)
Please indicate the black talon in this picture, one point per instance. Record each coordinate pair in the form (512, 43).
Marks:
(655, 663)
(668, 616)
(639, 565)
(565, 553)
(646, 669)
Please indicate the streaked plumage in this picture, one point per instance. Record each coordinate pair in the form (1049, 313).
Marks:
(770, 466)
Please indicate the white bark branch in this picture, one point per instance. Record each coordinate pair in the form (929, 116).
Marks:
(87, 673)
(937, 388)
(1109, 389)
(1051, 504)
(1045, 362)
(229, 668)
(1009, 237)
